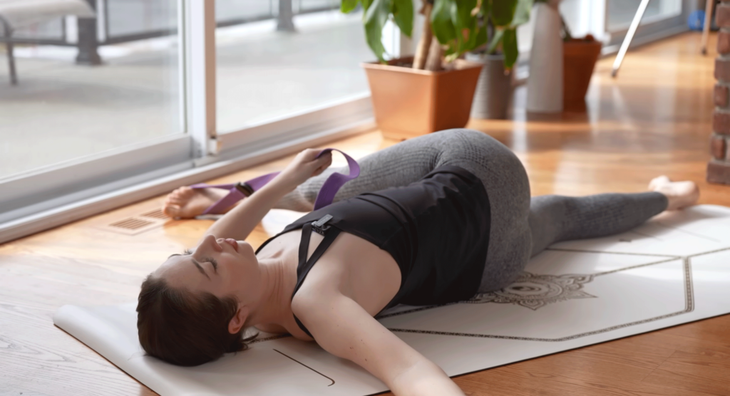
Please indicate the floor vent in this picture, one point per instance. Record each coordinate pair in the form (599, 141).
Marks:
(131, 224)
(134, 225)
(155, 214)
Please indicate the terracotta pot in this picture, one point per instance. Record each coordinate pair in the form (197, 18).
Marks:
(579, 59)
(409, 103)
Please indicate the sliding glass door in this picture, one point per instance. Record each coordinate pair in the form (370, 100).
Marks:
(609, 20)
(265, 74)
(293, 73)
(662, 18)
(61, 113)
(120, 100)
(619, 13)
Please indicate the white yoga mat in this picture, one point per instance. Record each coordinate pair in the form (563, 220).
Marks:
(674, 269)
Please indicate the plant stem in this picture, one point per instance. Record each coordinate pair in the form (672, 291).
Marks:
(568, 36)
(424, 43)
(435, 53)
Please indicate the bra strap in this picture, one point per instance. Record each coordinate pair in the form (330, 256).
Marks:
(306, 265)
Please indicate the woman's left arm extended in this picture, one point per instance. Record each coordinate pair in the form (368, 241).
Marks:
(343, 328)
(242, 219)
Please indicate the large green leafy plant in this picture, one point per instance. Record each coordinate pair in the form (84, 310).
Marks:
(459, 25)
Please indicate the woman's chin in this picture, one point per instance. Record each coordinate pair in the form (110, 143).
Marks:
(245, 248)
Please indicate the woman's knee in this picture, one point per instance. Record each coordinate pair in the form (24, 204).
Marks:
(470, 136)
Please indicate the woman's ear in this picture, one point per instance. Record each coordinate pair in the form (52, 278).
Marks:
(238, 320)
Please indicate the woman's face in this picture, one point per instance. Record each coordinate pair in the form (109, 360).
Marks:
(223, 267)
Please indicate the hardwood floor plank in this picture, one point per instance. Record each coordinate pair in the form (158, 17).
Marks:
(694, 372)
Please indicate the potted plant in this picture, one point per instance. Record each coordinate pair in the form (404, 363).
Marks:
(579, 59)
(433, 90)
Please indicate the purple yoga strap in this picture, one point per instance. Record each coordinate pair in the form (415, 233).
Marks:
(239, 191)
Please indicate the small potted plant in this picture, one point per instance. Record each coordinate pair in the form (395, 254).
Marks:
(579, 59)
(433, 90)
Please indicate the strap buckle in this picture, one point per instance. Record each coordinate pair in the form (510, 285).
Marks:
(244, 188)
(320, 226)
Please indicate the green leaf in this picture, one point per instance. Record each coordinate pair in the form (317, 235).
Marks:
(481, 37)
(366, 4)
(503, 11)
(348, 5)
(496, 40)
(465, 23)
(486, 8)
(509, 47)
(375, 18)
(403, 15)
(441, 24)
(472, 38)
(459, 25)
(522, 12)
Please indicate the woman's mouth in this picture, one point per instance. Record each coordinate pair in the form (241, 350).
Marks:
(232, 242)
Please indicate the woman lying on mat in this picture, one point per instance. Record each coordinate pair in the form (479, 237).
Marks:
(431, 220)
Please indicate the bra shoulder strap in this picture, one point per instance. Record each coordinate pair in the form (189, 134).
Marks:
(305, 265)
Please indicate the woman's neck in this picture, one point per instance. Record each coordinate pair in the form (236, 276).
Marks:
(275, 298)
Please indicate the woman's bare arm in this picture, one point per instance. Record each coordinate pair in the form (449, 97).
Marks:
(241, 220)
(343, 328)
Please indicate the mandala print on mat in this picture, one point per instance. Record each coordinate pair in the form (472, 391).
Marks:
(536, 291)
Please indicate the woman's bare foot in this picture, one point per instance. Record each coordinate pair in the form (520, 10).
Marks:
(186, 203)
(679, 194)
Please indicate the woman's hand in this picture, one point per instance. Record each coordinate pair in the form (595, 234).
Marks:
(239, 222)
(305, 165)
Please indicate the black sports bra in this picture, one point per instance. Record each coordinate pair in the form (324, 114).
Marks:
(436, 229)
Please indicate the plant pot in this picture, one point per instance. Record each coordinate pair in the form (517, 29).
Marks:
(579, 59)
(494, 88)
(409, 102)
(545, 83)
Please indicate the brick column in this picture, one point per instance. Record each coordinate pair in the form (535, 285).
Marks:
(718, 169)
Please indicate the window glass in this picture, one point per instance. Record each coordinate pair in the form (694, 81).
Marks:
(265, 74)
(61, 111)
(621, 12)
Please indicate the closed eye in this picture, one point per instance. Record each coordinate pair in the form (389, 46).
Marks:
(211, 260)
(214, 262)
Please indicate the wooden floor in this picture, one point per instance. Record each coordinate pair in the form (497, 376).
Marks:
(654, 119)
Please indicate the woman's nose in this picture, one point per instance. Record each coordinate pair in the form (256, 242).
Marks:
(214, 242)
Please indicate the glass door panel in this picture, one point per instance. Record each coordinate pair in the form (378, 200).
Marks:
(265, 74)
(139, 17)
(621, 12)
(61, 112)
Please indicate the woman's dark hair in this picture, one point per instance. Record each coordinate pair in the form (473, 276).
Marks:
(185, 328)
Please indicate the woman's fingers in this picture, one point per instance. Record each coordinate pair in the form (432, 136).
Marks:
(323, 162)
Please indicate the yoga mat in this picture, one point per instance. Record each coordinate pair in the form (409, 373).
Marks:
(673, 269)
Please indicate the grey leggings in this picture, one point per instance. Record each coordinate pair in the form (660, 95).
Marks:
(521, 227)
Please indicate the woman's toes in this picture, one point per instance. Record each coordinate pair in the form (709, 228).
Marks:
(181, 193)
(186, 191)
(176, 200)
(657, 182)
(171, 210)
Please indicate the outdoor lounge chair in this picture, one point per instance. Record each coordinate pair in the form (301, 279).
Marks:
(18, 13)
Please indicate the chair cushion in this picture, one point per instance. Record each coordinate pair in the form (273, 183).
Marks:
(26, 12)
